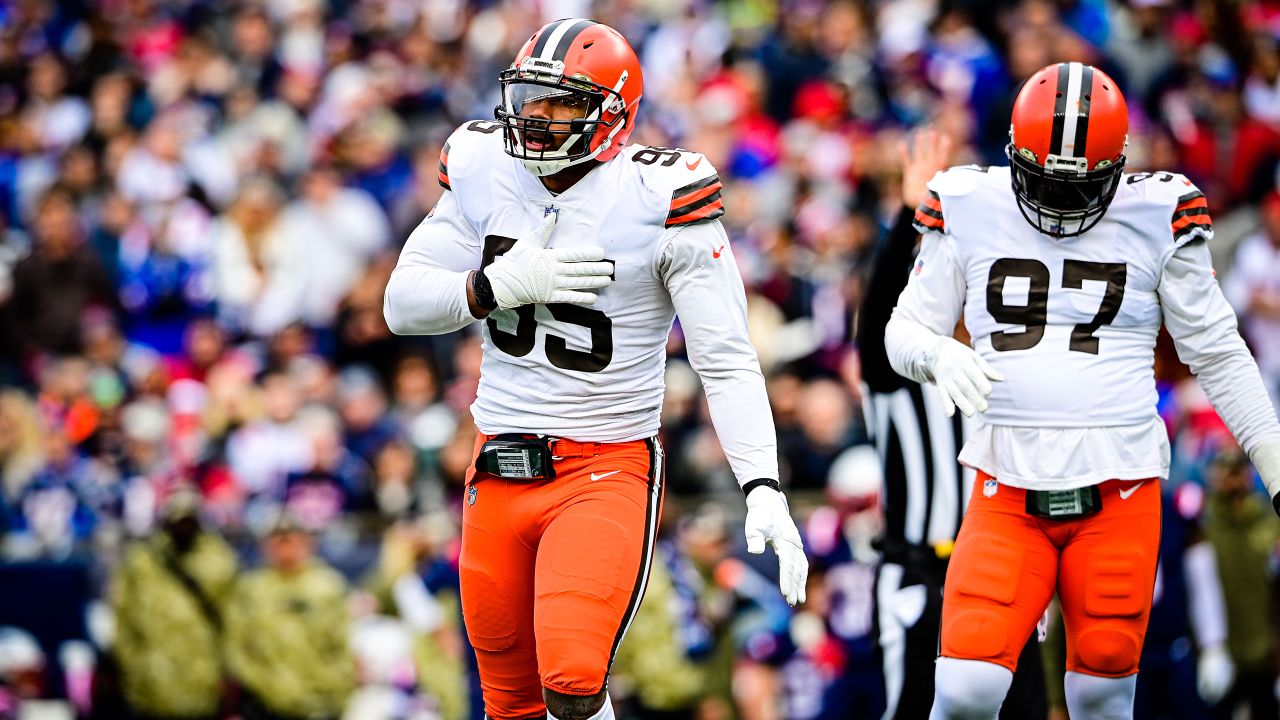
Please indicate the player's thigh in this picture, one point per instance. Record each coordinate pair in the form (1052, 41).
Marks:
(1107, 578)
(593, 562)
(497, 577)
(1000, 579)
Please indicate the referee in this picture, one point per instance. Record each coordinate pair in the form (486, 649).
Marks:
(926, 489)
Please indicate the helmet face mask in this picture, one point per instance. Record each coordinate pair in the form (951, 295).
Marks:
(586, 78)
(1066, 148)
(1062, 203)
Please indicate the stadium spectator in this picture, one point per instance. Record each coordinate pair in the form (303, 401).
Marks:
(168, 597)
(58, 282)
(1254, 290)
(286, 632)
(1244, 536)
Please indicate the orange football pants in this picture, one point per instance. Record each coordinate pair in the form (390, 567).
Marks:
(1007, 564)
(554, 570)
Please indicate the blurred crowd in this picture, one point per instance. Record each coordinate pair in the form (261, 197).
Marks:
(226, 489)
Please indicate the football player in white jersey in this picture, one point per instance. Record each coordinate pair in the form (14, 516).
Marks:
(1064, 269)
(577, 251)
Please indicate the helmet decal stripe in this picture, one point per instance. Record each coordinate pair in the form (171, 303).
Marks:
(1071, 112)
(541, 45)
(555, 42)
(1082, 122)
(571, 34)
(1059, 111)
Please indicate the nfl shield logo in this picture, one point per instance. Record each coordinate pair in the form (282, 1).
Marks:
(988, 487)
(471, 495)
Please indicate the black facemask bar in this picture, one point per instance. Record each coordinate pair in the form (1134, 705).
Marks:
(1062, 204)
(517, 128)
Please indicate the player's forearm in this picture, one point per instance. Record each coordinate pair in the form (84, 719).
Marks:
(740, 413)
(1203, 327)
(908, 344)
(423, 300)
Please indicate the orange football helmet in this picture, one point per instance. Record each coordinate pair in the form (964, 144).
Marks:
(572, 57)
(1066, 147)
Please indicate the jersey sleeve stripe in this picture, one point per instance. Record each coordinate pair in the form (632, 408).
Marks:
(931, 212)
(928, 217)
(684, 210)
(927, 223)
(1193, 195)
(1191, 212)
(444, 167)
(1189, 220)
(706, 212)
(687, 194)
(693, 197)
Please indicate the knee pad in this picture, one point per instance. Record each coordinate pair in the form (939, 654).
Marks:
(989, 570)
(490, 615)
(1090, 697)
(1116, 597)
(968, 689)
(1109, 650)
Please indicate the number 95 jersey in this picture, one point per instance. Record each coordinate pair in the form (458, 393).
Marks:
(1070, 323)
(587, 373)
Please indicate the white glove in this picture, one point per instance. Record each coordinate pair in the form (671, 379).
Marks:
(1266, 459)
(530, 273)
(961, 375)
(769, 521)
(1214, 673)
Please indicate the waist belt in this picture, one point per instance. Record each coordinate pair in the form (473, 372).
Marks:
(517, 457)
(529, 457)
(1064, 504)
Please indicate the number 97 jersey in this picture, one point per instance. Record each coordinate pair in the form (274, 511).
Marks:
(587, 373)
(1070, 323)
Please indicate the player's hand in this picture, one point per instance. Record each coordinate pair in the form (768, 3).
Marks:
(531, 273)
(769, 521)
(962, 376)
(927, 155)
(1214, 674)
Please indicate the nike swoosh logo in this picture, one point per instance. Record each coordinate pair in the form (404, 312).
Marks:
(693, 165)
(1124, 494)
(600, 476)
(716, 253)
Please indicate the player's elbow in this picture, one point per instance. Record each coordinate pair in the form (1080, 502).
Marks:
(393, 312)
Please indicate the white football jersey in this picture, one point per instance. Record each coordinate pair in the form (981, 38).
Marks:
(592, 373)
(1070, 323)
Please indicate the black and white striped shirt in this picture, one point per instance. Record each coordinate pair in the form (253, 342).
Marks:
(926, 488)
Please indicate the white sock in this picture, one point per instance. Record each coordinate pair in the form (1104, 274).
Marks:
(968, 689)
(1090, 697)
(604, 713)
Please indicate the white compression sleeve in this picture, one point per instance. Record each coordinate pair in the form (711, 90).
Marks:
(1203, 327)
(698, 268)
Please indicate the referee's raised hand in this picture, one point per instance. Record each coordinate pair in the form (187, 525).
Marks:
(928, 154)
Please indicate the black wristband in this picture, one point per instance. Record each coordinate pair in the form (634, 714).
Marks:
(753, 484)
(484, 292)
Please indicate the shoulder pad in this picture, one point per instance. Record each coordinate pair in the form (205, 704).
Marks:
(959, 180)
(687, 185)
(952, 182)
(1177, 198)
(467, 148)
